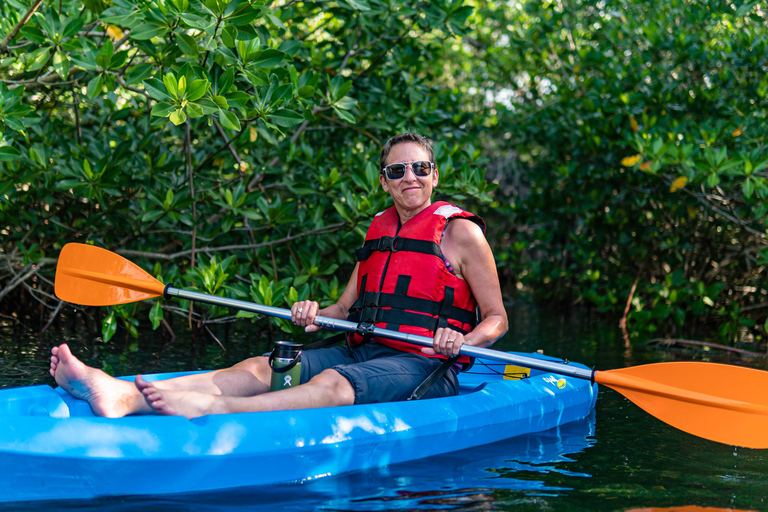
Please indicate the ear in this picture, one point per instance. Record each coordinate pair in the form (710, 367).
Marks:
(435, 178)
(383, 182)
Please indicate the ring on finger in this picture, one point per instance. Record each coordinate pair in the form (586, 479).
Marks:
(299, 310)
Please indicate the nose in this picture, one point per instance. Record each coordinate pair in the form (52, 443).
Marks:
(409, 170)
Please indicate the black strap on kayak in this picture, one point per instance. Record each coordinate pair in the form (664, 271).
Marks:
(433, 377)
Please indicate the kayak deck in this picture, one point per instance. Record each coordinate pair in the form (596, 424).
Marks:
(58, 449)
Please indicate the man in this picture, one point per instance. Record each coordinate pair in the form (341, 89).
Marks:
(423, 269)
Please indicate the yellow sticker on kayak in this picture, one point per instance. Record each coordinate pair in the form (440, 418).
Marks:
(512, 372)
(560, 383)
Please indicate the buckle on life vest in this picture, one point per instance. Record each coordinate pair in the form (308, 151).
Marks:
(388, 243)
(365, 329)
(371, 299)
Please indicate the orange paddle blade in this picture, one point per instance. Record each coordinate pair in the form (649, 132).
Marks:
(92, 276)
(719, 402)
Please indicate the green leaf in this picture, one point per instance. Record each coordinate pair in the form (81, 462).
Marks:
(197, 22)
(109, 327)
(344, 115)
(95, 6)
(749, 187)
(208, 106)
(286, 118)
(87, 169)
(163, 109)
(156, 315)
(276, 21)
(182, 90)
(118, 60)
(86, 61)
(34, 34)
(346, 103)
(61, 64)
(244, 15)
(225, 81)
(138, 73)
(229, 36)
(197, 90)
(229, 120)
(194, 110)
(360, 5)
(108, 48)
(267, 59)
(73, 27)
(177, 117)
(238, 99)
(306, 91)
(7, 153)
(171, 85)
(95, 86)
(342, 211)
(147, 31)
(39, 58)
(156, 89)
(187, 44)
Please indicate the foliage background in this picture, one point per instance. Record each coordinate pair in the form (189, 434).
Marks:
(616, 149)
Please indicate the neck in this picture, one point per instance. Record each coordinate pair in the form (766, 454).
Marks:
(407, 214)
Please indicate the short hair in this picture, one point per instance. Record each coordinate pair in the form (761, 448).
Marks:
(422, 141)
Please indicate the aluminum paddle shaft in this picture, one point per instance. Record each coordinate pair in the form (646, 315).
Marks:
(347, 326)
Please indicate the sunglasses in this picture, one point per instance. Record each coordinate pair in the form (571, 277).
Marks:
(422, 168)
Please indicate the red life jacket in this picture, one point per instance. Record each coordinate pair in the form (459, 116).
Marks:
(403, 283)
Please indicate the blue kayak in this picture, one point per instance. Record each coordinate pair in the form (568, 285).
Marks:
(52, 447)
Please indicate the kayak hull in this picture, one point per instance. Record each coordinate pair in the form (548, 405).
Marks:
(52, 447)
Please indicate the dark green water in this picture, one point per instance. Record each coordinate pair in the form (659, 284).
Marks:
(620, 459)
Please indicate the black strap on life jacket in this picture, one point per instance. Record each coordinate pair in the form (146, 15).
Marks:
(404, 310)
(396, 244)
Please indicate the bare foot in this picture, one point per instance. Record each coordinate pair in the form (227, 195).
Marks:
(106, 395)
(189, 404)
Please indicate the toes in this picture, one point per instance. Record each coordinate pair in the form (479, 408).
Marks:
(141, 383)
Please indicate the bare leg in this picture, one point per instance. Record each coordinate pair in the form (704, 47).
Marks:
(327, 389)
(112, 397)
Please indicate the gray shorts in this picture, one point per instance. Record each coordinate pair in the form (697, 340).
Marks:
(379, 373)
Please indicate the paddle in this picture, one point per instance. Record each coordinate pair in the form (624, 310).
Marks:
(722, 403)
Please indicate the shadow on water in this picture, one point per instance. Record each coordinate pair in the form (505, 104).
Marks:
(618, 460)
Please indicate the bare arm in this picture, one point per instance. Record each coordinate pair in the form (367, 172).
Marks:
(466, 248)
(304, 312)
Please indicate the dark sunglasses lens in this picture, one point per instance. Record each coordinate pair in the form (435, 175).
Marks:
(395, 171)
(421, 168)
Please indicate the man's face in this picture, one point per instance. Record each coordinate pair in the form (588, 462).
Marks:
(411, 192)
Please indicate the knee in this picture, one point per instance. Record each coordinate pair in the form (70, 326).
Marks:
(335, 388)
(258, 366)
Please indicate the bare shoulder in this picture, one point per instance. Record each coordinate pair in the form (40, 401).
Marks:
(465, 247)
(465, 232)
